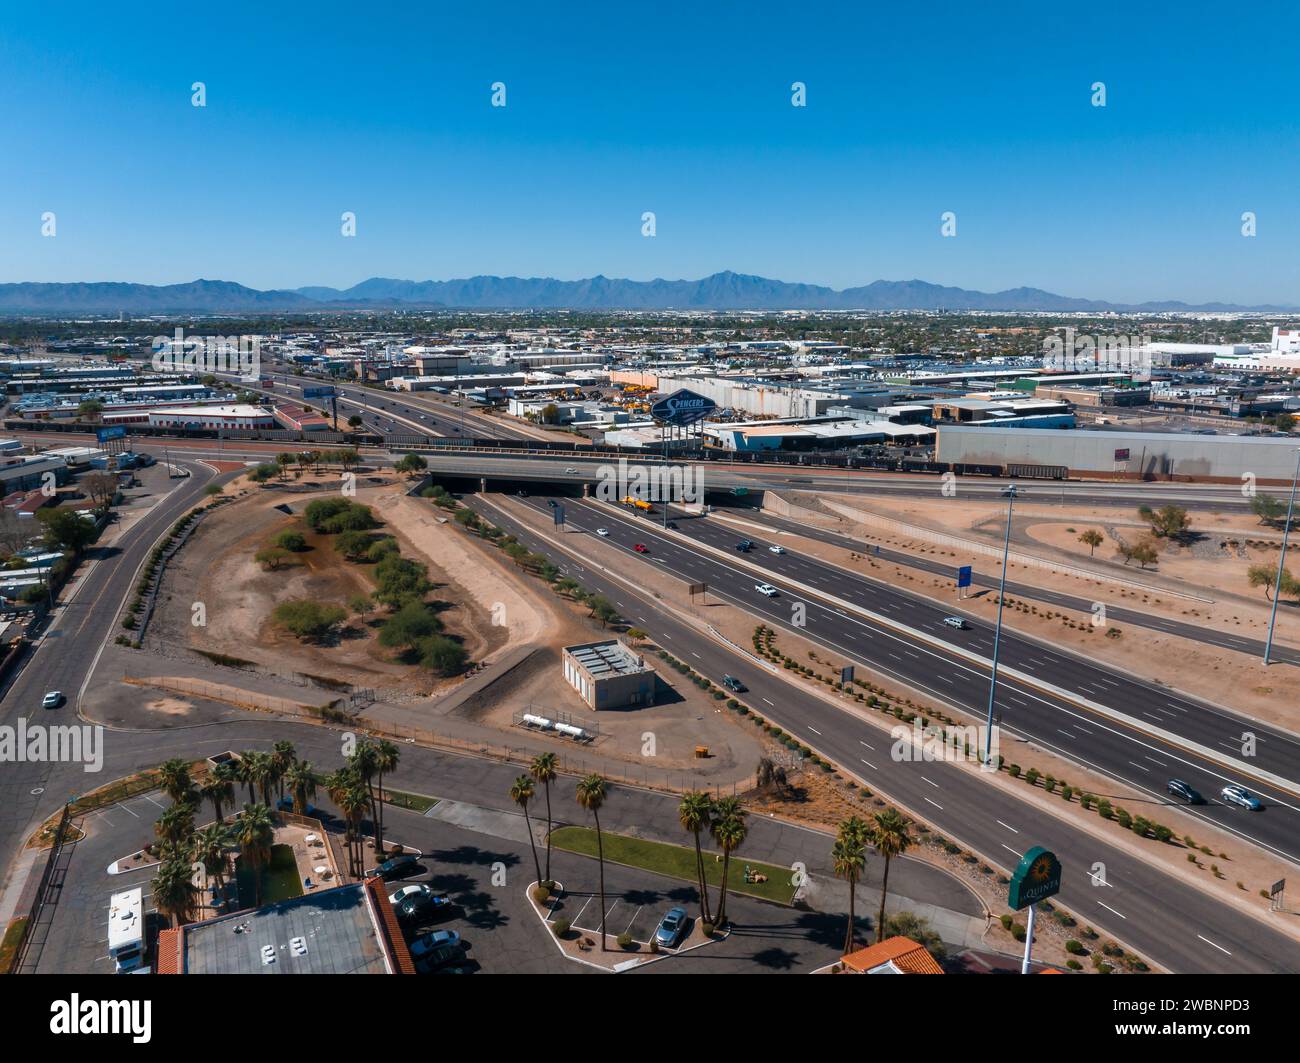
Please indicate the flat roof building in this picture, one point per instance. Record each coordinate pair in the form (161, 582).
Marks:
(608, 675)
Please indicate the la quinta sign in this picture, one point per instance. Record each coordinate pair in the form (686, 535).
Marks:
(1037, 877)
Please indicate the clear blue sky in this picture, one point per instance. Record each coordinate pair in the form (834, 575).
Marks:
(680, 109)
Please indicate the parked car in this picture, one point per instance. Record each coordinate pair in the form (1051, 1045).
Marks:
(955, 621)
(603, 532)
(671, 928)
(421, 909)
(765, 589)
(1183, 791)
(398, 866)
(744, 546)
(52, 700)
(285, 804)
(417, 889)
(438, 957)
(436, 939)
(776, 549)
(1233, 794)
(732, 683)
(641, 548)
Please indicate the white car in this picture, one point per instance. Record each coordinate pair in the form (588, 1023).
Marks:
(603, 532)
(765, 589)
(570, 471)
(955, 621)
(52, 700)
(776, 549)
(417, 889)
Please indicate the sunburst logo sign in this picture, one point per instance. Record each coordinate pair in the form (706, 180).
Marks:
(1037, 877)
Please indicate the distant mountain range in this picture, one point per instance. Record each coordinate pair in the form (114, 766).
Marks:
(720, 291)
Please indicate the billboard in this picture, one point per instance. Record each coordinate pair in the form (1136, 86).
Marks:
(682, 408)
(116, 431)
(324, 391)
(964, 576)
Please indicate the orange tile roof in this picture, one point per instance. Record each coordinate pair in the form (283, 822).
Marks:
(168, 951)
(903, 953)
(388, 923)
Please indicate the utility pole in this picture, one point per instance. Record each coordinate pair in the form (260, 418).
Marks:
(1281, 562)
(997, 631)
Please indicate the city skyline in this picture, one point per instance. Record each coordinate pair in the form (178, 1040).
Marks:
(610, 115)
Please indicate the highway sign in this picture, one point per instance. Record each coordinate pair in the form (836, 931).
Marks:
(323, 391)
(1037, 877)
(964, 576)
(682, 408)
(559, 513)
(846, 675)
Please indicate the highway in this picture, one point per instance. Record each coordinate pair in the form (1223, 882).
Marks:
(1176, 925)
(1116, 747)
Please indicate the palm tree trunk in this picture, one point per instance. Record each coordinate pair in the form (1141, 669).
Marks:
(380, 828)
(880, 923)
(701, 881)
(600, 853)
(548, 831)
(848, 944)
(722, 892)
(533, 842)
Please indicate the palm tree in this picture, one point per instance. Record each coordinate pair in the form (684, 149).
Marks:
(849, 859)
(729, 832)
(244, 769)
(889, 836)
(258, 769)
(543, 771)
(208, 847)
(174, 775)
(301, 780)
(175, 825)
(218, 789)
(694, 814)
(591, 795)
(255, 831)
(346, 790)
(521, 793)
(173, 891)
(386, 757)
(364, 762)
(282, 756)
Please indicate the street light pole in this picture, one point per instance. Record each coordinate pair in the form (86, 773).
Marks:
(997, 631)
(1281, 562)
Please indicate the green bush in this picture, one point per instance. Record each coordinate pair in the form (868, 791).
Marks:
(560, 928)
(1075, 947)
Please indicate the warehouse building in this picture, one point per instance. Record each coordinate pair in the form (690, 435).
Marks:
(608, 675)
(1124, 455)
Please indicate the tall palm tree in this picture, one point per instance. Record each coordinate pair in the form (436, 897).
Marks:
(258, 768)
(208, 847)
(386, 757)
(543, 771)
(220, 791)
(849, 859)
(889, 836)
(591, 793)
(694, 814)
(301, 780)
(255, 831)
(521, 793)
(282, 756)
(175, 825)
(173, 891)
(244, 769)
(729, 831)
(364, 763)
(174, 775)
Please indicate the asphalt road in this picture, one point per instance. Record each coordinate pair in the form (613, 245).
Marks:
(1175, 924)
(1077, 733)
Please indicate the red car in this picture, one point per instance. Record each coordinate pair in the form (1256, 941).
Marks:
(641, 548)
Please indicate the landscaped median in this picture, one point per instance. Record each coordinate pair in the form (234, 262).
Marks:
(764, 881)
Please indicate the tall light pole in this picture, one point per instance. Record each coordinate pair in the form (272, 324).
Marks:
(1281, 561)
(997, 631)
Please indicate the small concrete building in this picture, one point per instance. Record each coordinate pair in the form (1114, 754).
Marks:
(608, 675)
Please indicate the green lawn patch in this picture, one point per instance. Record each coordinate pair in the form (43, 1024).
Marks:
(678, 861)
(412, 802)
(279, 878)
(9, 947)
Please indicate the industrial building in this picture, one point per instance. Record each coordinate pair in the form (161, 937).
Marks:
(608, 675)
(236, 416)
(1124, 455)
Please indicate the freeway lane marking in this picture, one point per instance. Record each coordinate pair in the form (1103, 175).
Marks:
(931, 782)
(936, 804)
(1139, 766)
(815, 731)
(773, 704)
(1120, 914)
(1011, 850)
(1008, 826)
(870, 747)
(869, 764)
(1219, 947)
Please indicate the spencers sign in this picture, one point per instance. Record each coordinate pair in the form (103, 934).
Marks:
(682, 408)
(1037, 878)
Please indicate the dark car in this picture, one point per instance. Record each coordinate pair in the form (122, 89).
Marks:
(744, 546)
(398, 866)
(422, 909)
(732, 683)
(439, 957)
(1184, 792)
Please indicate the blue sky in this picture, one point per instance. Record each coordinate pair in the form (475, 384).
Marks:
(680, 109)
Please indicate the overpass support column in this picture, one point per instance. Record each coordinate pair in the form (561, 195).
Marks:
(482, 485)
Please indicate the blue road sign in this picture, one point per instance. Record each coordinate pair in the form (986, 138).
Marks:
(964, 576)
